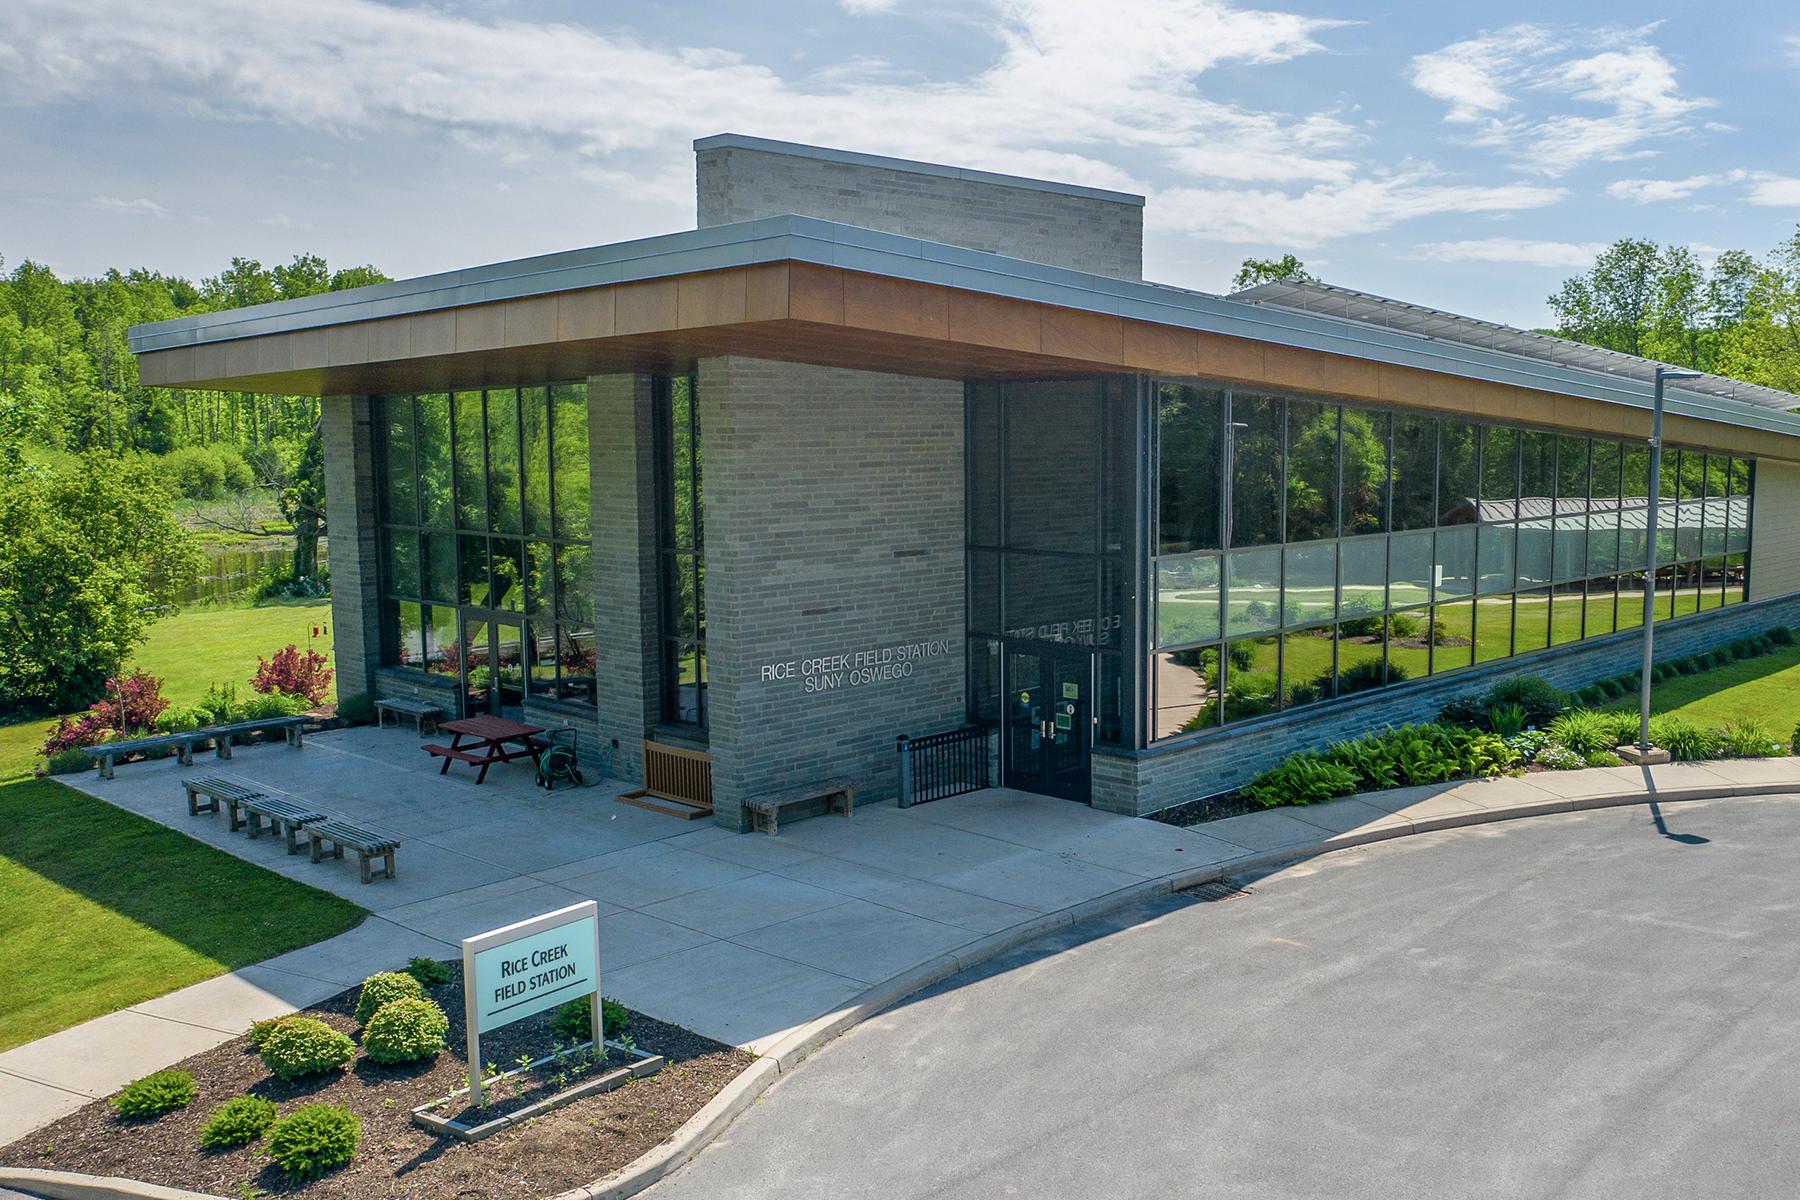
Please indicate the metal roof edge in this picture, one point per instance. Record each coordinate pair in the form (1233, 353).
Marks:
(739, 141)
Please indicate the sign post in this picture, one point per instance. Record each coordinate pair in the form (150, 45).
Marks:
(524, 968)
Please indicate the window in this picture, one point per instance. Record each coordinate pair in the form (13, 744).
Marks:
(681, 538)
(477, 527)
(1361, 549)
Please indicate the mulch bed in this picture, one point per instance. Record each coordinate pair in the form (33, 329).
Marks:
(563, 1149)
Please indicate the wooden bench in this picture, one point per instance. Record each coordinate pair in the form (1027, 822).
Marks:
(280, 813)
(765, 810)
(216, 788)
(365, 842)
(182, 743)
(419, 710)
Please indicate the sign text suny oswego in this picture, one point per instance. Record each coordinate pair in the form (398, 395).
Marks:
(856, 668)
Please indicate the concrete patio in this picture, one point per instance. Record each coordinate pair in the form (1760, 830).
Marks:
(745, 938)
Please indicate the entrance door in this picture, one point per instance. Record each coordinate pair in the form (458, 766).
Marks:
(493, 664)
(1048, 722)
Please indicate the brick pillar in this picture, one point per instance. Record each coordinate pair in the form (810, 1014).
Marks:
(623, 498)
(348, 440)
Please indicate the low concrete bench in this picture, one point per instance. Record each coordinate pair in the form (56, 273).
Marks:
(765, 810)
(182, 743)
(419, 710)
(292, 728)
(366, 842)
(283, 815)
(216, 788)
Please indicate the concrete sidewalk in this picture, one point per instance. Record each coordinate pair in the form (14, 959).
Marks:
(743, 937)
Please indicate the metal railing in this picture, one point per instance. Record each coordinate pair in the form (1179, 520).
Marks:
(943, 764)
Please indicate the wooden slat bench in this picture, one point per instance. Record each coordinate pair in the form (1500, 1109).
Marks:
(419, 710)
(281, 814)
(366, 842)
(216, 788)
(677, 782)
(182, 743)
(765, 810)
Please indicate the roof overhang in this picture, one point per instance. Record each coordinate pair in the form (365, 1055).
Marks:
(810, 290)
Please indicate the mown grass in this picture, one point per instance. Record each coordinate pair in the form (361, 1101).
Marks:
(104, 909)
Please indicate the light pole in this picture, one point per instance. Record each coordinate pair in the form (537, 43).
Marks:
(1644, 750)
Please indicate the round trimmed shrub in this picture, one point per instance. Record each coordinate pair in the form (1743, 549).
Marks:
(259, 1032)
(574, 1021)
(312, 1140)
(405, 1030)
(154, 1095)
(237, 1122)
(303, 1046)
(385, 988)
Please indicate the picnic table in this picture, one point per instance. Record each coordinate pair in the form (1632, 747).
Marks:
(484, 741)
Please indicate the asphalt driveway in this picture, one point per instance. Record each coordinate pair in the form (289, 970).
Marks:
(1595, 1005)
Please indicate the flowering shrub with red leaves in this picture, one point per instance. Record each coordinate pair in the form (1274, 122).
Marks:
(294, 674)
(129, 707)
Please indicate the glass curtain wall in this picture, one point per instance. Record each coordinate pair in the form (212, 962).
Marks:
(486, 562)
(1307, 550)
(681, 551)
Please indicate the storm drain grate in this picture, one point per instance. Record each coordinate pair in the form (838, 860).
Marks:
(1215, 891)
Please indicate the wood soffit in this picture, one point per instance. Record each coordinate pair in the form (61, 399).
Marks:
(834, 317)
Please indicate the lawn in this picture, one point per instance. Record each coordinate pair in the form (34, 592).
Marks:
(190, 652)
(105, 909)
(1764, 689)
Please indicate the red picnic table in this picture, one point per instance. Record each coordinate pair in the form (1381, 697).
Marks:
(488, 739)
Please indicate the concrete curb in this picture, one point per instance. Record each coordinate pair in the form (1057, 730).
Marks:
(67, 1185)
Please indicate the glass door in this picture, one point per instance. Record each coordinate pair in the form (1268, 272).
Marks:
(1048, 722)
(493, 664)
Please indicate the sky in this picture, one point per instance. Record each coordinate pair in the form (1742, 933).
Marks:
(1464, 156)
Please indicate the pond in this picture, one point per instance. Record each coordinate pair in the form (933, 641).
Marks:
(231, 571)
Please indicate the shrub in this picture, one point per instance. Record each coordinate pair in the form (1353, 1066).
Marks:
(358, 709)
(1748, 739)
(68, 762)
(1741, 648)
(1583, 731)
(405, 1030)
(259, 1032)
(1507, 720)
(195, 472)
(128, 706)
(1361, 676)
(291, 673)
(154, 1095)
(183, 718)
(312, 1140)
(1684, 742)
(272, 704)
(385, 988)
(1539, 700)
(304, 1046)
(1304, 778)
(1604, 758)
(220, 704)
(428, 971)
(1405, 627)
(1368, 759)
(1687, 666)
(1781, 635)
(1795, 744)
(1621, 727)
(235, 475)
(237, 1122)
(573, 1021)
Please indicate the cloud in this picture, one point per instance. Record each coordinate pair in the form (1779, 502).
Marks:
(140, 207)
(1506, 89)
(1775, 191)
(1326, 211)
(1650, 191)
(1113, 100)
(1513, 250)
(864, 8)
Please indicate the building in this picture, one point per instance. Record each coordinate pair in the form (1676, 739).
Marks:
(962, 464)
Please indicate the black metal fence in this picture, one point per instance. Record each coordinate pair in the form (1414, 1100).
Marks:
(943, 764)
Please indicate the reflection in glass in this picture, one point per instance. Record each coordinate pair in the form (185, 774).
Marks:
(1364, 454)
(1256, 469)
(1191, 425)
(1311, 583)
(1415, 472)
(1409, 569)
(1251, 677)
(1253, 589)
(1187, 691)
(1306, 669)
(1364, 588)
(1187, 599)
(1455, 562)
(1312, 439)
(1453, 642)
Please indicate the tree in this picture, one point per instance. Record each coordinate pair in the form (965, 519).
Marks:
(86, 554)
(1610, 304)
(303, 502)
(1286, 269)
